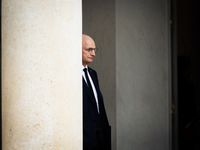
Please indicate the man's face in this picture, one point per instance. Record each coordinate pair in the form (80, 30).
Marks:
(87, 54)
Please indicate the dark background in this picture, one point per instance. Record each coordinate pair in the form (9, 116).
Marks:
(185, 16)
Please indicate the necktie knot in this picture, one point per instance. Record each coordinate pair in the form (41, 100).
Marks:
(85, 70)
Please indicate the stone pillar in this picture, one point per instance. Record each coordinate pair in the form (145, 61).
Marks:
(41, 74)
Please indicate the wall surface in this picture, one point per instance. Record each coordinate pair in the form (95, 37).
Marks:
(41, 74)
(133, 66)
(142, 75)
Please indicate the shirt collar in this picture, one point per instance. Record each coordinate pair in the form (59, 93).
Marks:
(84, 67)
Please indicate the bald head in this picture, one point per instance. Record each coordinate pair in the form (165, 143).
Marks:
(87, 44)
(86, 39)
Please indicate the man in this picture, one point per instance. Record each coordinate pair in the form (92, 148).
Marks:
(96, 130)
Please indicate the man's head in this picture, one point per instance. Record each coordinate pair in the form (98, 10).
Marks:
(88, 46)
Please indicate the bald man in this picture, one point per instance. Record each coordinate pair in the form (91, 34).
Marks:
(96, 129)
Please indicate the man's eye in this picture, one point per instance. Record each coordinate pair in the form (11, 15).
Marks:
(90, 49)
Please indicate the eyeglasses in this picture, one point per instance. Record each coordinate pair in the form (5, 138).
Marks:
(91, 49)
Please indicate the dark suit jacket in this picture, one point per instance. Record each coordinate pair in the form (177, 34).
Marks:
(92, 120)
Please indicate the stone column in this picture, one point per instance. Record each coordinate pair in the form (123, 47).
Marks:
(41, 74)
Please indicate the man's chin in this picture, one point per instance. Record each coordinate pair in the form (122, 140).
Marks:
(91, 60)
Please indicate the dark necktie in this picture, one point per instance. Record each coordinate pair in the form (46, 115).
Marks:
(88, 81)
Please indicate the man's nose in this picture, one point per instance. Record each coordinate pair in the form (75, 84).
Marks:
(93, 53)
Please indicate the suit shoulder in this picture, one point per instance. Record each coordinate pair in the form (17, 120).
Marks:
(91, 70)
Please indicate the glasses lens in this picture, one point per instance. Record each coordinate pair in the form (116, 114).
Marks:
(95, 50)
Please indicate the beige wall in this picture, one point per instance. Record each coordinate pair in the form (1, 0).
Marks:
(41, 74)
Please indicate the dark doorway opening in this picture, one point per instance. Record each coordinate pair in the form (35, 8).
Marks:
(185, 31)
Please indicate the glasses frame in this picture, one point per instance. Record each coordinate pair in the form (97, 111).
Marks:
(91, 49)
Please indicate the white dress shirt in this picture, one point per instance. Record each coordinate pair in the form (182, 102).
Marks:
(92, 84)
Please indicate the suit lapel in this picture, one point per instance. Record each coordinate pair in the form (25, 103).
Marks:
(94, 81)
(100, 97)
